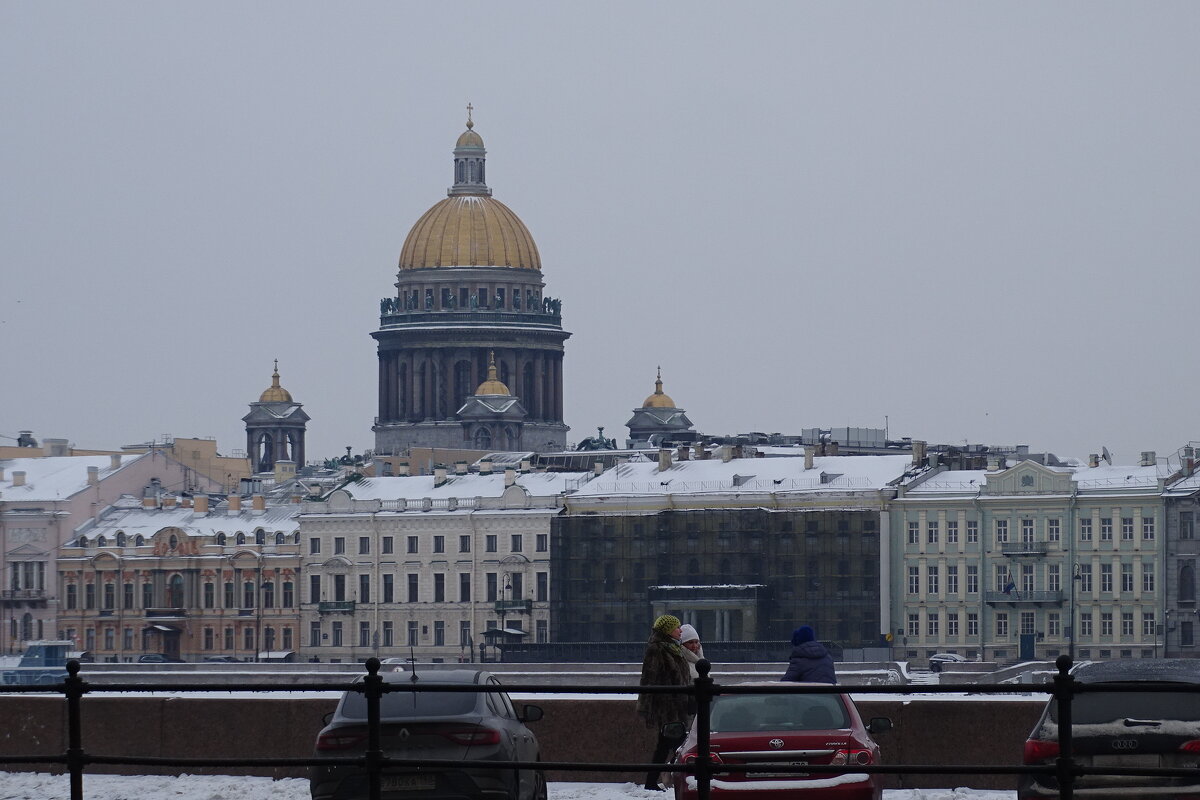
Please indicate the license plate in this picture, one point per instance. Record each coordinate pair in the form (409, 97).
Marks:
(407, 783)
(1127, 760)
(782, 774)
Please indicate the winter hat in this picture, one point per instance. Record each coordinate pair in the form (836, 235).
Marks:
(688, 634)
(666, 624)
(803, 634)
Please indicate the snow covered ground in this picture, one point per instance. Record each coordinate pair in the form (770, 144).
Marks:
(40, 786)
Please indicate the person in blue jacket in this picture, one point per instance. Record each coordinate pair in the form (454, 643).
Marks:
(810, 661)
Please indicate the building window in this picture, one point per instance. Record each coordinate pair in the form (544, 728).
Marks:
(439, 633)
(364, 634)
(148, 595)
(387, 545)
(314, 545)
(1026, 531)
(931, 532)
(1187, 525)
(229, 637)
(1053, 530)
(542, 542)
(1147, 528)
(1028, 623)
(1148, 627)
(364, 545)
(516, 542)
(289, 594)
(1106, 623)
(389, 633)
(1147, 577)
(127, 596)
(914, 625)
(314, 588)
(1185, 634)
(464, 633)
(491, 587)
(89, 596)
(1001, 531)
(1127, 529)
(210, 594)
(931, 625)
(1054, 577)
(972, 623)
(972, 532)
(951, 624)
(1106, 577)
(464, 544)
(1085, 530)
(1106, 529)
(364, 588)
(542, 588)
(1085, 577)
(951, 531)
(248, 638)
(952, 579)
(412, 633)
(490, 543)
(268, 594)
(1187, 582)
(914, 532)
(413, 587)
(542, 630)
(412, 544)
(914, 580)
(389, 588)
(248, 591)
(1127, 577)
(1127, 623)
(1053, 625)
(336, 634)
(439, 544)
(339, 545)
(464, 587)
(1001, 624)
(972, 579)
(439, 588)
(339, 588)
(931, 574)
(72, 600)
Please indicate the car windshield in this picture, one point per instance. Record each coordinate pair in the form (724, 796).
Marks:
(778, 712)
(405, 704)
(1095, 708)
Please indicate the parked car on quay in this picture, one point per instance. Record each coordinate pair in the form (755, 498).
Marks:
(768, 731)
(1124, 729)
(477, 726)
(938, 660)
(222, 660)
(159, 658)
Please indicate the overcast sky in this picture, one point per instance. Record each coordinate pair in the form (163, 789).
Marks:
(976, 221)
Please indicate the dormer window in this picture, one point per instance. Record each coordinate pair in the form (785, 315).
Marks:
(139, 541)
(102, 542)
(220, 539)
(120, 538)
(259, 537)
(279, 537)
(241, 538)
(173, 542)
(83, 542)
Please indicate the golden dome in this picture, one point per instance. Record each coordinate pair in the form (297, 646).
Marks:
(658, 399)
(492, 385)
(275, 393)
(469, 231)
(469, 138)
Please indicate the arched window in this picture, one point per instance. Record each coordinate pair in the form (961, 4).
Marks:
(120, 538)
(279, 537)
(102, 541)
(83, 541)
(241, 538)
(139, 541)
(221, 539)
(260, 537)
(175, 591)
(483, 439)
(173, 542)
(1187, 582)
(296, 538)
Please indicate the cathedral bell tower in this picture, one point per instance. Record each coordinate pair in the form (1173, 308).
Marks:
(275, 428)
(469, 304)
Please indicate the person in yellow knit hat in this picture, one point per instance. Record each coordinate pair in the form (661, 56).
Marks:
(663, 665)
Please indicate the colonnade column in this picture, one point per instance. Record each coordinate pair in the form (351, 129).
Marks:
(538, 411)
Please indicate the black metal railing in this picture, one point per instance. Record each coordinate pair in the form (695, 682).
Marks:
(1063, 689)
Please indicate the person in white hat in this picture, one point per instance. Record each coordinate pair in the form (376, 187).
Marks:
(693, 651)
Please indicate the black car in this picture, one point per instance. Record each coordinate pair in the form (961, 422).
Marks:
(1124, 729)
(159, 658)
(477, 726)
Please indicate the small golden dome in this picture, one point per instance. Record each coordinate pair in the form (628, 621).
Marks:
(493, 386)
(469, 138)
(275, 393)
(469, 231)
(658, 399)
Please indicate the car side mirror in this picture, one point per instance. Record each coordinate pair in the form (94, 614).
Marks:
(674, 730)
(879, 725)
(530, 713)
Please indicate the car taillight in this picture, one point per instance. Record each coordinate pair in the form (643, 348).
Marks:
(1190, 746)
(854, 758)
(471, 735)
(341, 740)
(713, 758)
(1039, 750)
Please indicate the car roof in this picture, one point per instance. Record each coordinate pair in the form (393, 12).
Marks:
(469, 676)
(1163, 670)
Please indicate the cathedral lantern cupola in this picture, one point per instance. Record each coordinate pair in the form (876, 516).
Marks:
(658, 421)
(492, 418)
(469, 302)
(275, 428)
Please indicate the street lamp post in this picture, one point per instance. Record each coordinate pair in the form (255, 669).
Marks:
(1075, 578)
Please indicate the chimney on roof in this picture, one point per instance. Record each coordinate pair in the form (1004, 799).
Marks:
(698, 451)
(114, 461)
(1149, 458)
(439, 475)
(832, 450)
(402, 469)
(185, 501)
(56, 447)
(460, 468)
(510, 477)
(995, 463)
(149, 500)
(664, 459)
(235, 503)
(919, 449)
(296, 498)
(526, 465)
(682, 452)
(169, 501)
(485, 467)
(810, 451)
(597, 468)
(1093, 459)
(201, 504)
(93, 476)
(258, 502)
(18, 477)
(726, 452)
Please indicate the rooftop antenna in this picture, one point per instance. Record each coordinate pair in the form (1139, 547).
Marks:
(1107, 456)
(412, 662)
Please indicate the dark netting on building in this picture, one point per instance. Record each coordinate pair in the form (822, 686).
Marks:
(742, 575)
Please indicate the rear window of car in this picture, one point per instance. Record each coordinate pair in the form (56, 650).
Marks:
(411, 704)
(778, 712)
(1094, 708)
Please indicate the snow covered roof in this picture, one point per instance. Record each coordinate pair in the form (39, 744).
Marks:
(1106, 477)
(828, 473)
(56, 477)
(418, 487)
(148, 521)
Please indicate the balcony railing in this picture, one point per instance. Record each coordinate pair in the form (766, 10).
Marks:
(166, 612)
(23, 594)
(474, 317)
(1025, 548)
(1025, 598)
(335, 606)
(514, 606)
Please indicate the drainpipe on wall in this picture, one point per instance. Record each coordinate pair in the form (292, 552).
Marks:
(983, 577)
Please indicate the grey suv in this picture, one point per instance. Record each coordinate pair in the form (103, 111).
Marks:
(433, 725)
(1124, 729)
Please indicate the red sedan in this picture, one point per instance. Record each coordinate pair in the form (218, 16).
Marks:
(770, 731)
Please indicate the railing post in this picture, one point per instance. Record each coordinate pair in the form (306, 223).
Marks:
(704, 694)
(373, 692)
(1064, 693)
(75, 759)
